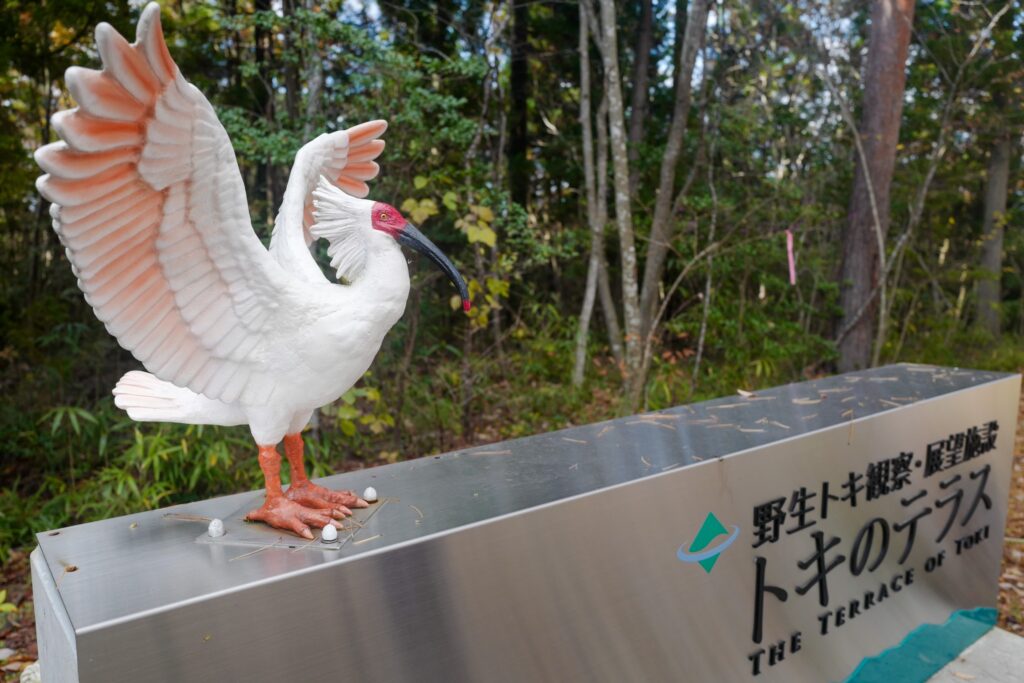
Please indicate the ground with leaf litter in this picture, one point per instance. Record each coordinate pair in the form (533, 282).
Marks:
(18, 636)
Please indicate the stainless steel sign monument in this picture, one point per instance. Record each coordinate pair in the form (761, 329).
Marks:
(848, 528)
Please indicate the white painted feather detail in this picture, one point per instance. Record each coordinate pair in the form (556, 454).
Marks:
(336, 221)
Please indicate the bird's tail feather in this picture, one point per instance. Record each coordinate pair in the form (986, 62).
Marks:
(147, 398)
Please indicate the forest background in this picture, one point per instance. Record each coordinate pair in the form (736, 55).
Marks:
(624, 186)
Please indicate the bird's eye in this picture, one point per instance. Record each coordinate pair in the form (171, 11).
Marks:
(383, 216)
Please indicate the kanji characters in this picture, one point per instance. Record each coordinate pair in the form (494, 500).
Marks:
(768, 519)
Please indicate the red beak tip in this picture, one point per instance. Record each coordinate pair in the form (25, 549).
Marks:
(466, 305)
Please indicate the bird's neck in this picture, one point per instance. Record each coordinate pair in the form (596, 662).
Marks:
(383, 287)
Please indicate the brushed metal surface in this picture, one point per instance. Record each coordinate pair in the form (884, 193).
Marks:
(58, 654)
(546, 558)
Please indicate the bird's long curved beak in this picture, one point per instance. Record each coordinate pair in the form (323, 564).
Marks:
(411, 237)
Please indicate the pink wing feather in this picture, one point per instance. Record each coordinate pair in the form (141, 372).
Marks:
(150, 205)
(346, 158)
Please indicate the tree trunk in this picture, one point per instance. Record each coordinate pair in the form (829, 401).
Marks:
(868, 217)
(623, 210)
(996, 182)
(519, 93)
(590, 191)
(292, 89)
(314, 78)
(661, 225)
(641, 79)
(604, 288)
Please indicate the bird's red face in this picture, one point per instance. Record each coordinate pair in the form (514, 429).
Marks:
(387, 219)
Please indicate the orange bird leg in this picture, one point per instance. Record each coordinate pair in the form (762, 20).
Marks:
(280, 512)
(305, 492)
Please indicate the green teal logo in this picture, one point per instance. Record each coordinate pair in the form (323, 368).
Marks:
(698, 550)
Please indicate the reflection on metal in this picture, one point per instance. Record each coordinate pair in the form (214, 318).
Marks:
(557, 557)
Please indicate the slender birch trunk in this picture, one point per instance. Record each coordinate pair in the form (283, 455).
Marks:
(998, 174)
(608, 307)
(623, 209)
(661, 225)
(596, 230)
(641, 81)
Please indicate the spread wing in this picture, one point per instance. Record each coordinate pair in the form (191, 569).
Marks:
(345, 157)
(149, 202)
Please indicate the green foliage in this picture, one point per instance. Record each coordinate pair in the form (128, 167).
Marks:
(766, 149)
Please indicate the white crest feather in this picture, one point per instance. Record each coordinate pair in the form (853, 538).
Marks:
(336, 219)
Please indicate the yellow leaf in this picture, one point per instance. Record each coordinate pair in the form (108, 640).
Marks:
(485, 214)
(409, 204)
(497, 287)
(482, 234)
(455, 302)
(420, 182)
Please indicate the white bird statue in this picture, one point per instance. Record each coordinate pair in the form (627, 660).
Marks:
(149, 202)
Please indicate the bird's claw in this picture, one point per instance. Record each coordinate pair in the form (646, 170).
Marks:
(312, 495)
(288, 515)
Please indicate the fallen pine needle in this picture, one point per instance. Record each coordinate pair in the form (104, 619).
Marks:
(645, 461)
(366, 540)
(185, 517)
(766, 421)
(417, 511)
(565, 438)
(258, 550)
(652, 423)
(303, 547)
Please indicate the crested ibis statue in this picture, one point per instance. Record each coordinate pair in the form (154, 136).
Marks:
(149, 202)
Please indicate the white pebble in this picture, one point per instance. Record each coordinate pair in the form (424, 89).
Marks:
(370, 494)
(329, 533)
(216, 528)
